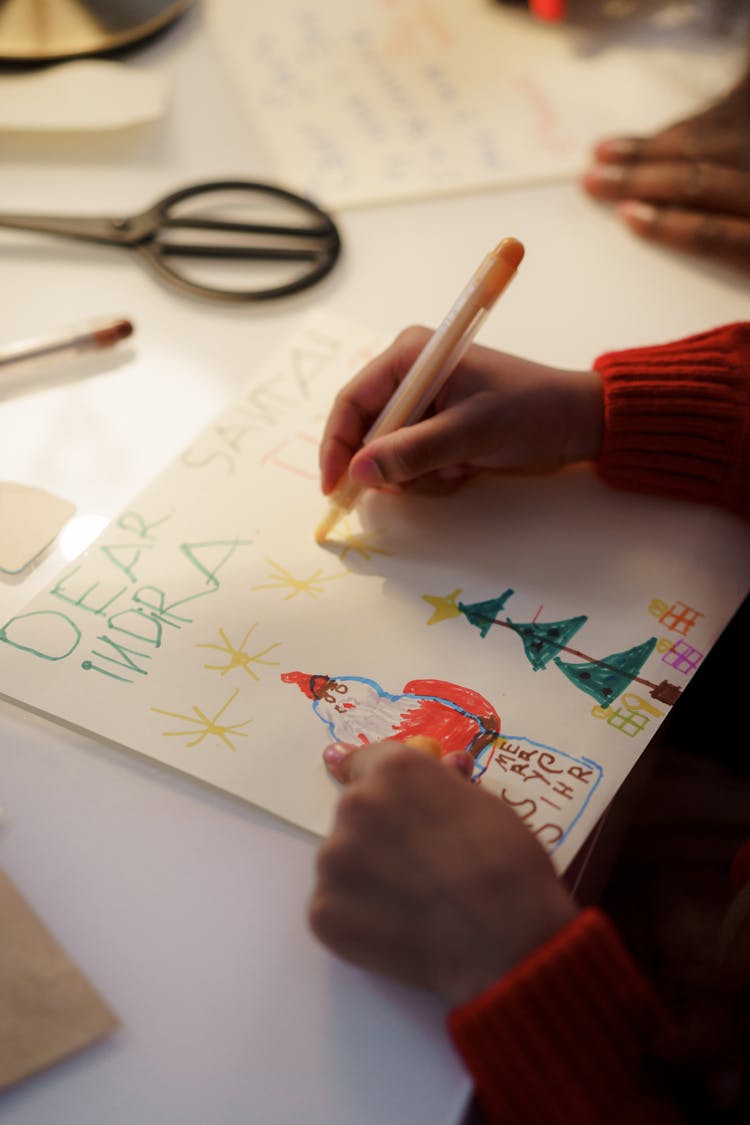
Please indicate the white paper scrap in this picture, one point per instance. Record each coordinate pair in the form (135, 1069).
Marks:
(85, 96)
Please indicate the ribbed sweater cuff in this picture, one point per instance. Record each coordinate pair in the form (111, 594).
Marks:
(565, 1036)
(676, 418)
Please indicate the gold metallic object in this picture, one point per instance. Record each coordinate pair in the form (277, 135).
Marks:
(43, 30)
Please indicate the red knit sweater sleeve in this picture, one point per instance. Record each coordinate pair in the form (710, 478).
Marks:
(571, 1034)
(677, 418)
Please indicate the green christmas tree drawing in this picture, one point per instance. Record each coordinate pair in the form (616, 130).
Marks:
(543, 640)
(482, 614)
(605, 679)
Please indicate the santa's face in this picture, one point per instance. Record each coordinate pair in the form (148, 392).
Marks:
(358, 712)
(335, 696)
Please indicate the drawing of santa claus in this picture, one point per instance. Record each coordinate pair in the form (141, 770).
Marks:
(358, 710)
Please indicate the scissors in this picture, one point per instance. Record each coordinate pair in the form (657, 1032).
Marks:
(282, 244)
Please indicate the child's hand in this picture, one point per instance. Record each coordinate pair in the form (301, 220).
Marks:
(429, 879)
(496, 412)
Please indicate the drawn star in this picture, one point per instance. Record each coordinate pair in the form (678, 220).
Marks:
(238, 658)
(283, 579)
(205, 725)
(359, 541)
(444, 608)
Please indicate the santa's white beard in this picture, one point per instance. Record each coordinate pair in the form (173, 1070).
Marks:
(372, 719)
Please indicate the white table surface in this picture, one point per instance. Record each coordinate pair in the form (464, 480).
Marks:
(184, 907)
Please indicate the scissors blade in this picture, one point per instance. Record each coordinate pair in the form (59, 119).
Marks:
(118, 231)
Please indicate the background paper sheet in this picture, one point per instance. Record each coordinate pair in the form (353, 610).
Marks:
(368, 102)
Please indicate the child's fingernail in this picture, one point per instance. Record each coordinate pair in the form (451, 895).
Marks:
(367, 472)
(461, 761)
(334, 754)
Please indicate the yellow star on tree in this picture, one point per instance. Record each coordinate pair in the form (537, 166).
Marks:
(444, 607)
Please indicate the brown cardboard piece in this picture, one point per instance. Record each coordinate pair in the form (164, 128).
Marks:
(30, 519)
(48, 1009)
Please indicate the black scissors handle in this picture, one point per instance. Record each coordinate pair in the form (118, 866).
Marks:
(317, 243)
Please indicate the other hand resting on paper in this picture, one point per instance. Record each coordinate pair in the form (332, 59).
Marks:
(430, 879)
(687, 186)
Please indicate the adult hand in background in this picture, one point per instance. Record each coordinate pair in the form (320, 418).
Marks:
(428, 878)
(687, 186)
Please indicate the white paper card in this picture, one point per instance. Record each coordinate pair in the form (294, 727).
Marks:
(545, 624)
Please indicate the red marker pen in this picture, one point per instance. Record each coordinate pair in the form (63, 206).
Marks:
(551, 10)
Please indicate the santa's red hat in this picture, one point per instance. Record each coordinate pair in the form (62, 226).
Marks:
(311, 686)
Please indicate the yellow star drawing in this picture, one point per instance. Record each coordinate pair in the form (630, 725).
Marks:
(443, 607)
(359, 541)
(283, 579)
(238, 658)
(206, 726)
